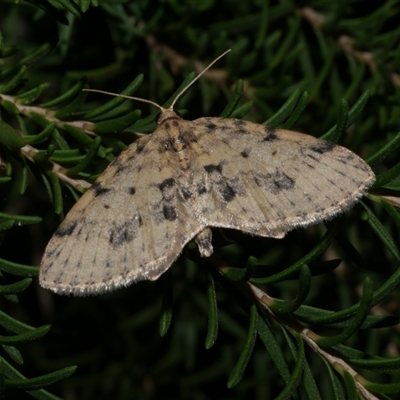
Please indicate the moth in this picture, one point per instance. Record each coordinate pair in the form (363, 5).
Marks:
(174, 185)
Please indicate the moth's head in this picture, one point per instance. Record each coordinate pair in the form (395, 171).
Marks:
(167, 114)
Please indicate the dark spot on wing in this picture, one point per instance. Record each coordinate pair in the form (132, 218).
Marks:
(210, 168)
(125, 271)
(312, 157)
(140, 220)
(283, 181)
(308, 164)
(211, 126)
(124, 232)
(131, 190)
(118, 166)
(190, 137)
(139, 148)
(332, 182)
(322, 147)
(175, 123)
(50, 253)
(258, 180)
(186, 193)
(227, 192)
(245, 153)
(356, 181)
(166, 183)
(117, 238)
(169, 212)
(66, 229)
(308, 197)
(98, 190)
(201, 189)
(270, 134)
(350, 157)
(274, 183)
(339, 172)
(167, 125)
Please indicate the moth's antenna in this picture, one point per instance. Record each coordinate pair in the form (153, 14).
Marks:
(195, 79)
(152, 102)
(126, 97)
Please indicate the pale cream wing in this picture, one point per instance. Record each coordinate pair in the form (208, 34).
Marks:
(268, 181)
(130, 225)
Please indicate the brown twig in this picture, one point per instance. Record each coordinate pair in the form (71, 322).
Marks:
(309, 337)
(346, 43)
(79, 184)
(177, 62)
(48, 114)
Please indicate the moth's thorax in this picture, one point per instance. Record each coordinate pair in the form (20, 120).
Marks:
(177, 136)
(179, 141)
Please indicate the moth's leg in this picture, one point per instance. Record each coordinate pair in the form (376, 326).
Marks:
(203, 241)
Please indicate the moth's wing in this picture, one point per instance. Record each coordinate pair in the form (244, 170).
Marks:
(130, 225)
(268, 181)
